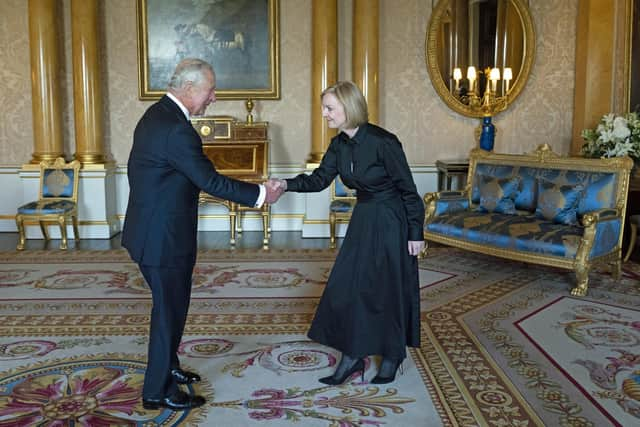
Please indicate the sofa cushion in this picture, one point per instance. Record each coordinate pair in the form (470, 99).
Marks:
(498, 194)
(526, 233)
(498, 171)
(451, 204)
(600, 187)
(557, 202)
(528, 195)
(525, 198)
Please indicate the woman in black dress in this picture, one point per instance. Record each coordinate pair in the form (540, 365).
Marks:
(370, 305)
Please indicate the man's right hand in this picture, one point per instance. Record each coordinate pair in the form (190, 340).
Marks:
(275, 188)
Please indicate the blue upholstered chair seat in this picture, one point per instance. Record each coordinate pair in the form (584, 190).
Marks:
(512, 232)
(341, 206)
(43, 207)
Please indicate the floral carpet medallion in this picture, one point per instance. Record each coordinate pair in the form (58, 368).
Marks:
(87, 391)
(281, 357)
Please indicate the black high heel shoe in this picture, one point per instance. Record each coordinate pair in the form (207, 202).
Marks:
(387, 372)
(341, 374)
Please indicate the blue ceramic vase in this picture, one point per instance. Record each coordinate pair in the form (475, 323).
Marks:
(488, 134)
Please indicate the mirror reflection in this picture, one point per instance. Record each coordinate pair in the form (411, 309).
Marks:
(478, 52)
(482, 41)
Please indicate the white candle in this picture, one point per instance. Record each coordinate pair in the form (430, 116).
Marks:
(507, 75)
(494, 76)
(457, 75)
(471, 76)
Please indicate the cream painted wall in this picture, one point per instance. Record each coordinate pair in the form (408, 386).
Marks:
(409, 105)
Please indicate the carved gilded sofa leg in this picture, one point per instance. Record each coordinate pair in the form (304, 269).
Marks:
(582, 281)
(582, 265)
(616, 269)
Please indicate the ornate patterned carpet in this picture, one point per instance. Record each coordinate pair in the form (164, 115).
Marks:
(503, 344)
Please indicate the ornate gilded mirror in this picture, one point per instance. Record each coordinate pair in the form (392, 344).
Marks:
(479, 53)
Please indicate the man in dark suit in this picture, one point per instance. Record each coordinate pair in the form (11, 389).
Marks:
(167, 169)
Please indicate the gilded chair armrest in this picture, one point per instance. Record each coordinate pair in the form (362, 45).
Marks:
(602, 234)
(445, 202)
(599, 215)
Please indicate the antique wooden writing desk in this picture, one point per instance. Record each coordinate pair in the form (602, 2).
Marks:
(238, 150)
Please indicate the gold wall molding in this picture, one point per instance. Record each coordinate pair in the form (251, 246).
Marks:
(315, 221)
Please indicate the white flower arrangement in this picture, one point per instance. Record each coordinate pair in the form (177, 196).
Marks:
(615, 136)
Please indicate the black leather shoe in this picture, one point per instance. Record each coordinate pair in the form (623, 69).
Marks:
(185, 377)
(179, 401)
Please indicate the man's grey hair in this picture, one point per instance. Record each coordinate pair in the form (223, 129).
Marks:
(189, 70)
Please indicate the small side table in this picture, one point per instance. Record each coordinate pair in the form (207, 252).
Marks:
(447, 169)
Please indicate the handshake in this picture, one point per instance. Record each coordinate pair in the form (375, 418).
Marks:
(275, 188)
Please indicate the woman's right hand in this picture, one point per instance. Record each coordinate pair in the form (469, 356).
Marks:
(277, 183)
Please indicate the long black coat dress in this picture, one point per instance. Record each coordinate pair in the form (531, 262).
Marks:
(371, 302)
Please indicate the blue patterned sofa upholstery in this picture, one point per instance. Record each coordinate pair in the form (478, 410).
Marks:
(542, 208)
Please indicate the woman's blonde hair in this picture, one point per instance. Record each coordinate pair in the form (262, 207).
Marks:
(351, 98)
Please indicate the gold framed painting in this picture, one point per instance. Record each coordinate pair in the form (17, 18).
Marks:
(240, 38)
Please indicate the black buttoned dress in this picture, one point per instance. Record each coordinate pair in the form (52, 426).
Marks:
(371, 303)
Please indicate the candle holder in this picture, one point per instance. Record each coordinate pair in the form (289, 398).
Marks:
(490, 102)
(487, 105)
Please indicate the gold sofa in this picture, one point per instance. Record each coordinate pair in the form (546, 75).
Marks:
(541, 208)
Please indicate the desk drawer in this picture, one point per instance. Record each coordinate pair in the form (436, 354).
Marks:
(245, 133)
(240, 161)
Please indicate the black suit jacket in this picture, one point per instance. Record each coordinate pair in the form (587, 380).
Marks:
(166, 171)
